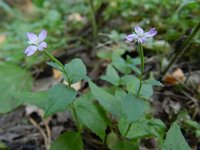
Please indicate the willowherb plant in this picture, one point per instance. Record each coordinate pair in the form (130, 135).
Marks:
(123, 108)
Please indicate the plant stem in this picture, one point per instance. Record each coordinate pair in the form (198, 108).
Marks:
(60, 64)
(129, 127)
(93, 18)
(182, 48)
(141, 68)
(76, 117)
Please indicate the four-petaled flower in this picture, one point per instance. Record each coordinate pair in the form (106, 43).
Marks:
(140, 35)
(36, 42)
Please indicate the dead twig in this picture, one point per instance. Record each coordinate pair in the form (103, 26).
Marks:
(47, 144)
(48, 132)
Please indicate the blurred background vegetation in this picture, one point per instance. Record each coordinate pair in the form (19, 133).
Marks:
(71, 28)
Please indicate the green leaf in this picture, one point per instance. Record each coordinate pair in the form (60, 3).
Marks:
(175, 140)
(121, 65)
(38, 3)
(126, 145)
(153, 82)
(68, 141)
(127, 79)
(192, 123)
(54, 65)
(132, 84)
(76, 70)
(12, 79)
(109, 102)
(143, 128)
(89, 115)
(104, 54)
(132, 63)
(120, 93)
(146, 91)
(133, 107)
(134, 68)
(39, 99)
(59, 97)
(111, 140)
(111, 76)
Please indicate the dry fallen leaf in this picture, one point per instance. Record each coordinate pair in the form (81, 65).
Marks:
(56, 74)
(76, 86)
(176, 77)
(76, 17)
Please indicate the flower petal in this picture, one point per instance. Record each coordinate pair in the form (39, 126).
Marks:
(30, 50)
(42, 35)
(152, 32)
(142, 40)
(139, 30)
(131, 37)
(42, 45)
(32, 37)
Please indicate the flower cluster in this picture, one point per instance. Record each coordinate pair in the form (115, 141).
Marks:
(36, 42)
(141, 36)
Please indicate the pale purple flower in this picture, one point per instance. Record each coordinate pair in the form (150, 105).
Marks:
(36, 42)
(140, 35)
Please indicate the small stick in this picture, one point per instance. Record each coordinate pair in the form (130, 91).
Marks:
(41, 131)
(48, 133)
(182, 49)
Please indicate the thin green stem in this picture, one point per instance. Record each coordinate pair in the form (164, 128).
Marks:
(60, 64)
(129, 127)
(93, 18)
(54, 59)
(182, 49)
(76, 117)
(141, 68)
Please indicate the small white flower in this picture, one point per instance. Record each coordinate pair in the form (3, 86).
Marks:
(36, 42)
(140, 35)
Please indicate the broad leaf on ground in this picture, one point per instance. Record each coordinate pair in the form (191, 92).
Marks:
(111, 75)
(59, 97)
(39, 99)
(143, 128)
(153, 82)
(109, 102)
(76, 70)
(175, 140)
(132, 63)
(68, 141)
(12, 79)
(121, 64)
(111, 140)
(89, 115)
(132, 84)
(133, 108)
(125, 145)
